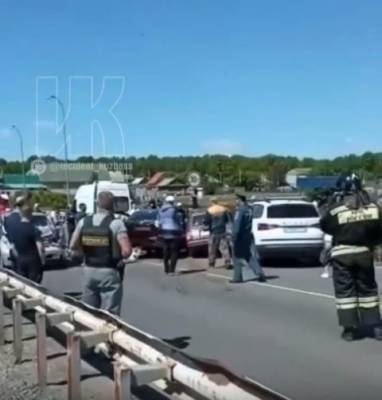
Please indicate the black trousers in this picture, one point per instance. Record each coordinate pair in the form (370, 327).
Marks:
(30, 267)
(170, 255)
(356, 290)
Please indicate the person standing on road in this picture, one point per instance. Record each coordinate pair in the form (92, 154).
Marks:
(80, 214)
(12, 219)
(244, 249)
(152, 204)
(217, 220)
(171, 229)
(355, 223)
(105, 244)
(70, 222)
(26, 239)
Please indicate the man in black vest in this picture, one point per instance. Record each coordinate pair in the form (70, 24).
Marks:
(104, 243)
(355, 224)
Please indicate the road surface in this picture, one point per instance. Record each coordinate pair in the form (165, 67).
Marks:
(282, 334)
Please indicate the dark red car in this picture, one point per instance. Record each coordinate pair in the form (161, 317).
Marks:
(144, 233)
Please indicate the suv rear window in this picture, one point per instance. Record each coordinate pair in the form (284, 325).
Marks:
(292, 211)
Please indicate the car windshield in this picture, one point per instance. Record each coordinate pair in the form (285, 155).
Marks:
(39, 220)
(292, 211)
(197, 220)
(143, 216)
(121, 204)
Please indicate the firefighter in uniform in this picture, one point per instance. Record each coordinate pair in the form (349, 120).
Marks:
(354, 222)
(105, 244)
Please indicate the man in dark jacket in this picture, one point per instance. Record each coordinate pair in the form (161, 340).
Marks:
(171, 229)
(244, 248)
(26, 240)
(216, 220)
(11, 223)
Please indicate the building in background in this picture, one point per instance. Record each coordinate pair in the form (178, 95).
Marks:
(12, 182)
(292, 176)
(307, 183)
(54, 177)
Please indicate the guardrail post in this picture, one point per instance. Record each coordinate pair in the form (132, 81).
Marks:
(17, 329)
(2, 333)
(74, 365)
(42, 320)
(122, 382)
(42, 366)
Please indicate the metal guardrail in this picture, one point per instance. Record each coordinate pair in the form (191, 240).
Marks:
(139, 358)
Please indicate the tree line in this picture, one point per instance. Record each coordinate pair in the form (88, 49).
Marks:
(236, 170)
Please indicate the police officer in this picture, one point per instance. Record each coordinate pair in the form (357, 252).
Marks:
(354, 222)
(244, 249)
(104, 242)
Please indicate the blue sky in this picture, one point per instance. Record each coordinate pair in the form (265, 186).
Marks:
(299, 77)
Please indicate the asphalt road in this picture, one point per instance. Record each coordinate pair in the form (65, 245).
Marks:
(283, 334)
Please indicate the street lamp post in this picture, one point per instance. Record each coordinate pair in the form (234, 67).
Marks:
(63, 115)
(17, 130)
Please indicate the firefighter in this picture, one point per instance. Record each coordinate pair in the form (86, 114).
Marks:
(105, 244)
(354, 222)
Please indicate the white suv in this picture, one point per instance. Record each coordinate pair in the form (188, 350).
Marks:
(287, 228)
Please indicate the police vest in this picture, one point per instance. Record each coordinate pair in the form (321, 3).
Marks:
(355, 227)
(97, 243)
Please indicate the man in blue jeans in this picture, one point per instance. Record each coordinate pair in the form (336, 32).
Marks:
(244, 249)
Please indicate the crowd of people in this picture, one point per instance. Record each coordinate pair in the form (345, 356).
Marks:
(230, 233)
(349, 216)
(102, 240)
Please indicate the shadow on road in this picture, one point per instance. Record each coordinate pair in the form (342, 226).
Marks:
(191, 271)
(84, 377)
(269, 278)
(290, 263)
(76, 295)
(25, 323)
(56, 355)
(181, 342)
(25, 339)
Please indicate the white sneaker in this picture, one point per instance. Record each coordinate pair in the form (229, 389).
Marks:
(325, 274)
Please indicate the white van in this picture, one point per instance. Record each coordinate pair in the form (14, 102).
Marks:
(88, 194)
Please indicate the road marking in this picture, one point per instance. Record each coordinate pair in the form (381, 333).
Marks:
(288, 289)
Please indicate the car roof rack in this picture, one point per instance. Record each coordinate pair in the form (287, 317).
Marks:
(268, 198)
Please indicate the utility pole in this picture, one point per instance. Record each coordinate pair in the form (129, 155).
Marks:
(63, 116)
(17, 130)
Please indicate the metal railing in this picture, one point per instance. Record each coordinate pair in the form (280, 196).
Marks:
(138, 358)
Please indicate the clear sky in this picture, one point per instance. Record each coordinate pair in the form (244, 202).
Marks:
(299, 77)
